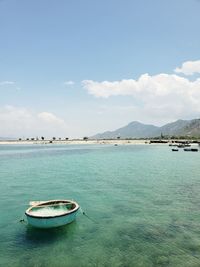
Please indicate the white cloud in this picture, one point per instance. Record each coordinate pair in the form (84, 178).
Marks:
(69, 83)
(161, 85)
(19, 122)
(158, 98)
(50, 118)
(9, 84)
(6, 83)
(189, 67)
(107, 89)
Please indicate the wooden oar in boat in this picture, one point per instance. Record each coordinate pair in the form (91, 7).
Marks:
(34, 203)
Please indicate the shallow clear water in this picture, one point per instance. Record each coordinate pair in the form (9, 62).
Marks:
(142, 202)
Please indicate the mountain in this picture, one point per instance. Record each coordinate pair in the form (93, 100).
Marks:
(132, 130)
(181, 128)
(193, 128)
(174, 128)
(139, 130)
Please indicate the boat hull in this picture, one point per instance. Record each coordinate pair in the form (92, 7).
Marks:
(51, 222)
(42, 221)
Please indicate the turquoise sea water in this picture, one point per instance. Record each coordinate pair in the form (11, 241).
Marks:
(143, 202)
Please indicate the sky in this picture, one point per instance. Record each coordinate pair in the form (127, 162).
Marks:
(77, 68)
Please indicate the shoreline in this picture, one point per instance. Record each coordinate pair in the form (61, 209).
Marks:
(93, 142)
(72, 142)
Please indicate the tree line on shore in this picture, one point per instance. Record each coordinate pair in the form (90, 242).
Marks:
(85, 138)
(42, 138)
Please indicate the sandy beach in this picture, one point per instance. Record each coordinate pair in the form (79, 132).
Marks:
(95, 142)
(74, 142)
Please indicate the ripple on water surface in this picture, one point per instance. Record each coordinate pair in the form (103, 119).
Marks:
(142, 204)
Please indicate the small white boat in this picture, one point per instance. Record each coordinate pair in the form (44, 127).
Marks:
(51, 213)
